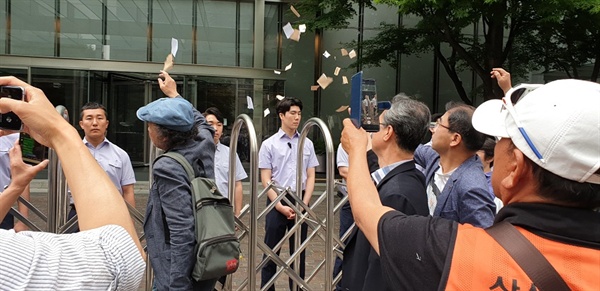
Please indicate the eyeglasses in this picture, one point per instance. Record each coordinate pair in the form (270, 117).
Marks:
(438, 123)
(512, 97)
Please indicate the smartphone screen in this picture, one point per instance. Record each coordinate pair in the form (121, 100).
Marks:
(364, 106)
(10, 120)
(33, 152)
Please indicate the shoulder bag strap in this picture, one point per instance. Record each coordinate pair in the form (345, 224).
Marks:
(535, 265)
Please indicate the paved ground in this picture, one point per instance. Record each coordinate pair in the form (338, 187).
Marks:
(315, 250)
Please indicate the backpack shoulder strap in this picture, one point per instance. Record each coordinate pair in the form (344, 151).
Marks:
(181, 160)
(527, 256)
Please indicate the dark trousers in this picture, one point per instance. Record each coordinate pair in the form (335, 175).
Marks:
(72, 213)
(276, 225)
(8, 222)
(346, 220)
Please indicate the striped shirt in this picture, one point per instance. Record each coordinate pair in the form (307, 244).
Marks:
(104, 258)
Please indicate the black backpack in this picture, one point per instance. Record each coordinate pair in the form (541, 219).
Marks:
(217, 245)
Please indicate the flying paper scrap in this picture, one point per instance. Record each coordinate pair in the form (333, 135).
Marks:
(344, 80)
(337, 71)
(174, 46)
(295, 35)
(266, 112)
(294, 11)
(344, 52)
(314, 88)
(277, 72)
(324, 81)
(279, 97)
(302, 28)
(326, 54)
(342, 108)
(352, 54)
(288, 67)
(250, 104)
(168, 63)
(288, 30)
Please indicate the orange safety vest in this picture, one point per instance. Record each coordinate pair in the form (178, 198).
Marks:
(480, 263)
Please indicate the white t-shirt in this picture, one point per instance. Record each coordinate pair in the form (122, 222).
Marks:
(440, 181)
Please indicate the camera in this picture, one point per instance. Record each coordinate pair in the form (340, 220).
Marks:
(9, 120)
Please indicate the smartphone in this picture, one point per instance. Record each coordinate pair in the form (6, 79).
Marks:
(364, 110)
(9, 120)
(33, 152)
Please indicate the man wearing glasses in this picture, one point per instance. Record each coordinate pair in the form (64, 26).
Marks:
(399, 184)
(549, 182)
(456, 185)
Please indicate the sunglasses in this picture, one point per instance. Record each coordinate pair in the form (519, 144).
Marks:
(512, 97)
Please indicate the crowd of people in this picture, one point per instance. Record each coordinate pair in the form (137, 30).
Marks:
(429, 216)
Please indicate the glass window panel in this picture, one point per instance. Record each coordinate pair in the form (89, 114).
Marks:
(32, 30)
(172, 19)
(127, 27)
(271, 43)
(246, 34)
(216, 33)
(81, 28)
(3, 27)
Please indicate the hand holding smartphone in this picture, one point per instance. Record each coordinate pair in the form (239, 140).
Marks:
(32, 151)
(9, 120)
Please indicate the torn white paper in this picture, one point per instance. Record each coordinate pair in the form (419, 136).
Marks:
(250, 104)
(344, 52)
(295, 35)
(352, 54)
(344, 80)
(314, 88)
(288, 67)
(266, 112)
(279, 97)
(326, 54)
(288, 30)
(174, 46)
(302, 28)
(337, 71)
(277, 72)
(324, 81)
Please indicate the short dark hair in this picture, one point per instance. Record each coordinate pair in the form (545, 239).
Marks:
(410, 121)
(488, 148)
(174, 137)
(459, 121)
(564, 191)
(285, 104)
(92, 105)
(214, 111)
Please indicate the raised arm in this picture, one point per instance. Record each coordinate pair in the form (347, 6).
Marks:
(98, 201)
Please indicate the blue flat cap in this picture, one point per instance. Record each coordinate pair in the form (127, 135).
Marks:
(172, 113)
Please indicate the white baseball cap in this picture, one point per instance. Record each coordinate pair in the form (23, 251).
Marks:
(556, 125)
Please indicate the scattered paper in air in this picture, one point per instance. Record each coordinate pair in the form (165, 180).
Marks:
(326, 54)
(266, 112)
(352, 54)
(302, 28)
(174, 46)
(337, 71)
(344, 52)
(294, 11)
(314, 88)
(279, 97)
(277, 72)
(344, 80)
(324, 81)
(288, 67)
(295, 35)
(168, 63)
(250, 104)
(288, 30)
(342, 108)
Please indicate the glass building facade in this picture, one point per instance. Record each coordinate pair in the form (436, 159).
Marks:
(111, 51)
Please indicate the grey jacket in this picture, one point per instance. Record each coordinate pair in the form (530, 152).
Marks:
(169, 224)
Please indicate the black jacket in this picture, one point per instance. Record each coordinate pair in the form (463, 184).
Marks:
(402, 189)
